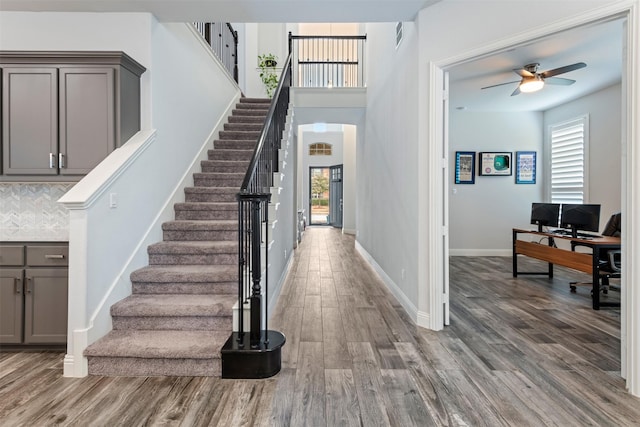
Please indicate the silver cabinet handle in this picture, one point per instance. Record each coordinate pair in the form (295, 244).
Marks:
(28, 285)
(52, 161)
(18, 285)
(60, 160)
(54, 256)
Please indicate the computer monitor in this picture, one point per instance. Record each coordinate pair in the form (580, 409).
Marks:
(545, 214)
(580, 217)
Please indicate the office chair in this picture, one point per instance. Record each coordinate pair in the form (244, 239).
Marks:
(610, 259)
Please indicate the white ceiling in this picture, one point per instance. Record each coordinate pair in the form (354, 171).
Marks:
(240, 10)
(599, 46)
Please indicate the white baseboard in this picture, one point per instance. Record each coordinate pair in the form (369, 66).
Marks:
(415, 315)
(274, 293)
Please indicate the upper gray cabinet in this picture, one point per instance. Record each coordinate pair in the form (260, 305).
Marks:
(64, 112)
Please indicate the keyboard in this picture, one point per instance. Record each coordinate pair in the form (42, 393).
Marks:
(582, 235)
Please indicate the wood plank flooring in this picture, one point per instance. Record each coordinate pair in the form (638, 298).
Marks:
(519, 352)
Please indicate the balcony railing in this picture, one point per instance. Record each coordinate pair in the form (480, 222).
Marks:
(328, 61)
(223, 40)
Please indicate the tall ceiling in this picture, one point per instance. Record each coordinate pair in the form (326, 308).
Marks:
(599, 46)
(240, 10)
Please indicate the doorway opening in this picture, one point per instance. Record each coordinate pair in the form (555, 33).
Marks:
(325, 190)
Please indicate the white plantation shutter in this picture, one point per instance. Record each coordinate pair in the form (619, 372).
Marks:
(568, 161)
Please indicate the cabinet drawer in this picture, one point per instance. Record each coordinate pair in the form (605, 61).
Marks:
(11, 255)
(46, 256)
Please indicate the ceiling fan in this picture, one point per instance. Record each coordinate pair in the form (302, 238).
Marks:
(533, 81)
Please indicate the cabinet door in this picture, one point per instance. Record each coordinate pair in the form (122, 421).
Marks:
(45, 306)
(87, 118)
(29, 121)
(11, 305)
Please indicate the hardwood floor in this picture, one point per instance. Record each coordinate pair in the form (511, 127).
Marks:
(519, 352)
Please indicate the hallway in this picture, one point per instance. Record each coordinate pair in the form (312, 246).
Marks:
(519, 352)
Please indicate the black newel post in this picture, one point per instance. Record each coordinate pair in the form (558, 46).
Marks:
(256, 272)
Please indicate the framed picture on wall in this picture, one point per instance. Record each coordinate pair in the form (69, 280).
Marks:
(495, 163)
(525, 167)
(465, 167)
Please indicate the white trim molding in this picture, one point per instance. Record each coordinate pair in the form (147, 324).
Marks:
(419, 318)
(630, 295)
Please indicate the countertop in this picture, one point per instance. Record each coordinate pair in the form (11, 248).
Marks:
(34, 235)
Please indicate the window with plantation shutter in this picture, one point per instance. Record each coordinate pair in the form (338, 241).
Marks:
(568, 161)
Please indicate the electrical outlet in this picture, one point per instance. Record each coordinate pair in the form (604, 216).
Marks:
(113, 200)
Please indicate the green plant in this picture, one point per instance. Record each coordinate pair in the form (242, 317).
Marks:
(268, 74)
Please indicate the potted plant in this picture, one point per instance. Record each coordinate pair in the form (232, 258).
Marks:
(268, 74)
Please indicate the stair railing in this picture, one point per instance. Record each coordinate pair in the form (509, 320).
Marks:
(223, 40)
(328, 61)
(253, 217)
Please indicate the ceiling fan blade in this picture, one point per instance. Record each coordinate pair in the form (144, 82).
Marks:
(500, 84)
(517, 91)
(562, 70)
(559, 81)
(523, 73)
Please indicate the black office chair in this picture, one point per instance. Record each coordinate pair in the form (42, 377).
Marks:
(610, 259)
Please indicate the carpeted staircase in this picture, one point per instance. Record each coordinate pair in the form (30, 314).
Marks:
(180, 313)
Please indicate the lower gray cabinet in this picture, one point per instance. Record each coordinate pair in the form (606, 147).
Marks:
(45, 305)
(11, 305)
(33, 293)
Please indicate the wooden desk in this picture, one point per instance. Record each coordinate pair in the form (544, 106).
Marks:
(586, 262)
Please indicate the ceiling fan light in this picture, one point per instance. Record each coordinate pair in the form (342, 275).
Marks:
(532, 84)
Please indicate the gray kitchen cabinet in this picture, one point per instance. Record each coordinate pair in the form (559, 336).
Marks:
(64, 112)
(29, 120)
(45, 305)
(11, 305)
(34, 293)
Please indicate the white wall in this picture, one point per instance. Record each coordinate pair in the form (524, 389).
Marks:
(481, 215)
(283, 233)
(349, 174)
(254, 40)
(388, 165)
(127, 32)
(605, 143)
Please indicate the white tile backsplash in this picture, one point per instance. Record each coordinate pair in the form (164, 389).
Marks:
(29, 211)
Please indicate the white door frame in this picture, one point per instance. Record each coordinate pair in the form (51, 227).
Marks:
(438, 160)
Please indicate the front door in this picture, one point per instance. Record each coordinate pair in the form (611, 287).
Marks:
(335, 196)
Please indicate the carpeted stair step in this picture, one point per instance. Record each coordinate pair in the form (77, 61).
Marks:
(174, 312)
(157, 353)
(200, 230)
(207, 211)
(211, 194)
(235, 144)
(240, 134)
(193, 253)
(224, 166)
(213, 179)
(253, 127)
(185, 279)
(254, 112)
(247, 119)
(250, 100)
(253, 106)
(243, 155)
